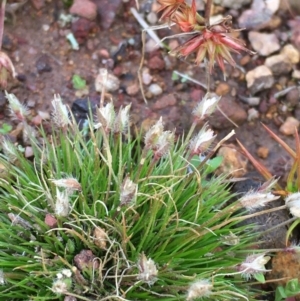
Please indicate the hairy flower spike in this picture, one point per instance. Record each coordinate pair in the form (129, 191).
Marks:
(62, 204)
(147, 269)
(128, 192)
(292, 202)
(106, 117)
(198, 289)
(122, 120)
(70, 184)
(254, 264)
(60, 113)
(18, 110)
(201, 142)
(164, 144)
(153, 134)
(206, 106)
(259, 198)
(9, 150)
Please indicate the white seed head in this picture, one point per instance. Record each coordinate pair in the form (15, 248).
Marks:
(253, 264)
(292, 202)
(9, 150)
(122, 120)
(106, 116)
(68, 183)
(60, 112)
(128, 192)
(61, 286)
(67, 273)
(164, 144)
(18, 111)
(202, 141)
(207, 106)
(62, 205)
(253, 200)
(198, 289)
(153, 134)
(147, 269)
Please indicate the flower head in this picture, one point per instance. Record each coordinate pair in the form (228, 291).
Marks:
(259, 198)
(254, 264)
(147, 269)
(201, 142)
(292, 202)
(213, 43)
(122, 119)
(62, 204)
(198, 289)
(18, 110)
(70, 184)
(169, 8)
(164, 144)
(60, 112)
(153, 134)
(106, 117)
(188, 19)
(206, 106)
(128, 192)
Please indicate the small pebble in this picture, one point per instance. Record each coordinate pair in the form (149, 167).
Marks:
(263, 152)
(222, 89)
(112, 82)
(28, 152)
(152, 18)
(288, 127)
(155, 89)
(259, 79)
(252, 114)
(146, 77)
(43, 64)
(133, 89)
(46, 27)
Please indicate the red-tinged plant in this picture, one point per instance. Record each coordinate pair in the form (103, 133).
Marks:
(211, 42)
(170, 8)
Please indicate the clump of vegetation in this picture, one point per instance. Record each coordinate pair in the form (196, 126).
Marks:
(99, 214)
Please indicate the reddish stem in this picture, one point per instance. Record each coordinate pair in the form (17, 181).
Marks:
(207, 12)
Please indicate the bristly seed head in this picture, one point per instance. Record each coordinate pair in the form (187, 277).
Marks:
(206, 106)
(69, 183)
(106, 117)
(147, 270)
(198, 289)
(201, 142)
(164, 144)
(259, 198)
(292, 202)
(153, 134)
(128, 192)
(18, 110)
(60, 113)
(254, 264)
(122, 120)
(62, 204)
